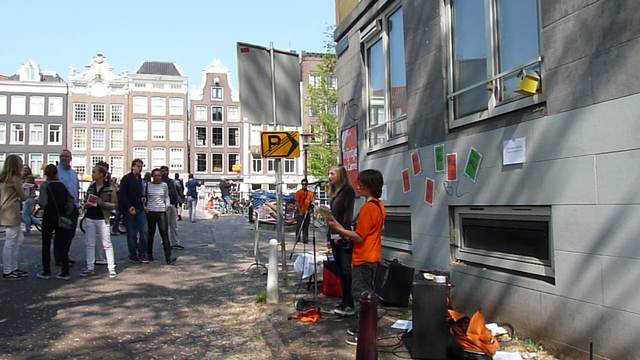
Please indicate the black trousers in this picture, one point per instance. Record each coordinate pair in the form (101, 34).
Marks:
(342, 256)
(61, 244)
(159, 219)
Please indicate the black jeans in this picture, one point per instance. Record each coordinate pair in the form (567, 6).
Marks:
(61, 244)
(342, 256)
(363, 277)
(302, 221)
(160, 219)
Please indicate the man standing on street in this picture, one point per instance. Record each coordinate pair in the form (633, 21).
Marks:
(132, 202)
(304, 201)
(225, 189)
(192, 197)
(69, 178)
(180, 187)
(172, 211)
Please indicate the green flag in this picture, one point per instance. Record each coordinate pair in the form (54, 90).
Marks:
(473, 164)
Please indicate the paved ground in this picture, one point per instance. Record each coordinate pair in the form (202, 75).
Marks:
(202, 308)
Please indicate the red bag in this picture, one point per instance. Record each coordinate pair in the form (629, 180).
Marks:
(331, 285)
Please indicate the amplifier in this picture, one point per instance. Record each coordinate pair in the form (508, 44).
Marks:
(430, 329)
(393, 283)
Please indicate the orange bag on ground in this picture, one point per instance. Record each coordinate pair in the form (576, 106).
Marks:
(310, 316)
(472, 334)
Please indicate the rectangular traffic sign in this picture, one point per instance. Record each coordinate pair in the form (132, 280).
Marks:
(280, 144)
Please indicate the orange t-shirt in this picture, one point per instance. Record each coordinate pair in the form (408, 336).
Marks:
(304, 198)
(369, 227)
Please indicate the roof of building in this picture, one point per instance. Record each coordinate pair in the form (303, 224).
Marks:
(159, 68)
(48, 77)
(3, 77)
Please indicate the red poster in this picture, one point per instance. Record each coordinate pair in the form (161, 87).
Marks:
(406, 181)
(452, 167)
(429, 189)
(415, 161)
(349, 152)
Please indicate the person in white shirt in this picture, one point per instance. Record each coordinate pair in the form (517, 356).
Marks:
(157, 194)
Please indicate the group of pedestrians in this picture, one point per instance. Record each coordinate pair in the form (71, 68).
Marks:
(146, 206)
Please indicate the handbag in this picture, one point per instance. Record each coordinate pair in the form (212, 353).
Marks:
(64, 222)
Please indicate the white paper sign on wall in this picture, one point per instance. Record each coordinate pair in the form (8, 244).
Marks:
(514, 151)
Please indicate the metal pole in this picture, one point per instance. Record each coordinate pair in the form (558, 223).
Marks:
(278, 165)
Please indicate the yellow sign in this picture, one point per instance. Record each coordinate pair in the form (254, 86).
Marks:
(280, 144)
(237, 168)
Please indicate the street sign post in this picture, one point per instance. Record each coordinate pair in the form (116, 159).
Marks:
(280, 144)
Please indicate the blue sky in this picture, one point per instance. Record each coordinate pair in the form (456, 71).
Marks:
(192, 33)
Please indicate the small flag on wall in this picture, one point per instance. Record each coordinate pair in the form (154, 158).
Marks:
(452, 167)
(406, 181)
(438, 156)
(416, 162)
(429, 191)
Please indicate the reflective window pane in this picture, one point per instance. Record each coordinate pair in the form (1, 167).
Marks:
(469, 55)
(375, 60)
(397, 73)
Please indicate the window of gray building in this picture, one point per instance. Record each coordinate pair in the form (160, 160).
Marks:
(17, 134)
(201, 162)
(234, 137)
(217, 137)
(3, 157)
(36, 105)
(18, 104)
(386, 80)
(3, 104)
(55, 106)
(36, 134)
(490, 52)
(217, 163)
(55, 134)
(216, 113)
(201, 136)
(3, 133)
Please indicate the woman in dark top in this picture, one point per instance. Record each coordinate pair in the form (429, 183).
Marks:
(56, 201)
(342, 199)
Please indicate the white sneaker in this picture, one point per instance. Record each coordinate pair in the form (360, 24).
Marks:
(346, 311)
(101, 262)
(112, 274)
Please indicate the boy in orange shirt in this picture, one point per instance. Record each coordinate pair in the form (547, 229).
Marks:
(367, 237)
(304, 201)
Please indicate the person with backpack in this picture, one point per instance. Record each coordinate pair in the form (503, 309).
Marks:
(58, 204)
(192, 197)
(366, 238)
(11, 198)
(158, 203)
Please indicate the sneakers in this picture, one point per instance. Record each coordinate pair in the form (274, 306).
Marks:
(87, 272)
(12, 276)
(171, 261)
(144, 260)
(100, 262)
(352, 332)
(352, 340)
(21, 273)
(134, 260)
(43, 275)
(112, 274)
(62, 276)
(345, 311)
(177, 246)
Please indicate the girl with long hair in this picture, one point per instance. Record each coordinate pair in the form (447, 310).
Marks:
(30, 187)
(342, 199)
(11, 197)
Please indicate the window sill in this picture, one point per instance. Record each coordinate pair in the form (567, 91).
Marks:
(498, 110)
(389, 144)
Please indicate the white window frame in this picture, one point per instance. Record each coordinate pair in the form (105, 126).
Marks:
(256, 161)
(222, 163)
(3, 133)
(370, 35)
(138, 135)
(53, 159)
(80, 113)
(115, 139)
(58, 134)
(3, 104)
(18, 105)
(36, 129)
(94, 159)
(137, 151)
(175, 162)
(229, 164)
(222, 130)
(96, 111)
(235, 110)
(155, 161)
(34, 167)
(116, 170)
(79, 164)
(221, 113)
(95, 131)
(215, 98)
(195, 136)
(289, 161)
(199, 114)
(81, 141)
(495, 107)
(55, 106)
(12, 139)
(271, 163)
(176, 106)
(176, 130)
(158, 130)
(237, 145)
(195, 164)
(116, 113)
(158, 106)
(36, 105)
(140, 105)
(255, 135)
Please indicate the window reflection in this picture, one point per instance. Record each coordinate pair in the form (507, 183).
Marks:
(398, 95)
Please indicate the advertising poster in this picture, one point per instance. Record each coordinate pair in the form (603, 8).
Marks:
(472, 166)
(429, 189)
(416, 162)
(406, 181)
(438, 156)
(452, 167)
(349, 152)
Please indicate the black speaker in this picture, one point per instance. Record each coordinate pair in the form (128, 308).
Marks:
(430, 329)
(393, 283)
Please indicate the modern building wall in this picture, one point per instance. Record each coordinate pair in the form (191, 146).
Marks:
(98, 117)
(157, 130)
(581, 164)
(33, 113)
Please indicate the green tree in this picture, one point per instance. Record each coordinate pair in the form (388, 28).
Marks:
(322, 99)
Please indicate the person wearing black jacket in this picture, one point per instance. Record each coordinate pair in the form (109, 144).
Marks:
(172, 213)
(342, 200)
(131, 200)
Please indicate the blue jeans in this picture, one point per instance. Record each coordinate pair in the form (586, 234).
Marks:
(227, 203)
(27, 215)
(137, 229)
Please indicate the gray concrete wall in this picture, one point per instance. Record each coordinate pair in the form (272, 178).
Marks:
(583, 160)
